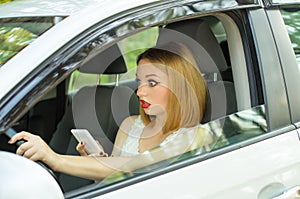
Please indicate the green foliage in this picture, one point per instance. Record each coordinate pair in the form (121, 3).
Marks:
(5, 1)
(136, 44)
(131, 47)
(12, 40)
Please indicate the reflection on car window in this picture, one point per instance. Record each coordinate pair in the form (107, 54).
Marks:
(291, 17)
(17, 33)
(230, 130)
(239, 126)
(12, 41)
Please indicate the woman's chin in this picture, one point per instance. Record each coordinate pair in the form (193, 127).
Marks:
(155, 110)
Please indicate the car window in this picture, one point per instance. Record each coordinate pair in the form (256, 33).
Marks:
(17, 33)
(291, 17)
(136, 41)
(232, 130)
(231, 123)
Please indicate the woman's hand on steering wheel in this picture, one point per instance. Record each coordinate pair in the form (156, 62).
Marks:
(34, 148)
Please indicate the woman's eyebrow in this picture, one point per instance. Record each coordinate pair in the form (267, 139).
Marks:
(151, 75)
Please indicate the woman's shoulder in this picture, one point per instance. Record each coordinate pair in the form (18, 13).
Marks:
(125, 129)
(130, 120)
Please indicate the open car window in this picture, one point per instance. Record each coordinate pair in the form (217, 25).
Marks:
(136, 41)
(232, 122)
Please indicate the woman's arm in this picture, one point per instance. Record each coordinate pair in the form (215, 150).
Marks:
(90, 167)
(95, 168)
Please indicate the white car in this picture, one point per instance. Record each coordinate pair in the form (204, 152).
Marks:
(70, 73)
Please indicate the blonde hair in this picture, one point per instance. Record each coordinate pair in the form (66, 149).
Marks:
(188, 88)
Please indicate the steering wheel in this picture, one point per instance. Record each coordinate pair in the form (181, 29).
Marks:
(10, 133)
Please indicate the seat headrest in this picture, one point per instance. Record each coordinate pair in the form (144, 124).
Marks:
(198, 37)
(109, 61)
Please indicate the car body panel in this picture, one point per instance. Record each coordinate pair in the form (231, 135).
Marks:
(31, 175)
(226, 176)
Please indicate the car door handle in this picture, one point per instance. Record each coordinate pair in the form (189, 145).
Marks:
(292, 193)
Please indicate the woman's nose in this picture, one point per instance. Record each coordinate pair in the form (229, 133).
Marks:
(141, 91)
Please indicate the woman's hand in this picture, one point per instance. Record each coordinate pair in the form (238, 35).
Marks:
(81, 149)
(35, 149)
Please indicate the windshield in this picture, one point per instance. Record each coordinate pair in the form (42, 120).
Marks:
(17, 33)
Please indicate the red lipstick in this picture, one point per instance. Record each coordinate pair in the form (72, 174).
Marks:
(144, 104)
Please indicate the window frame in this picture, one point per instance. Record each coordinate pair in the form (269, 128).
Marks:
(270, 133)
(282, 2)
(289, 63)
(269, 63)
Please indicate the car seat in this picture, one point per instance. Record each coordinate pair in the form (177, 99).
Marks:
(197, 35)
(100, 109)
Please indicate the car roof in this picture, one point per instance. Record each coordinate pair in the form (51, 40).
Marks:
(34, 8)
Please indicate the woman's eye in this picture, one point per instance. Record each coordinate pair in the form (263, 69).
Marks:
(152, 83)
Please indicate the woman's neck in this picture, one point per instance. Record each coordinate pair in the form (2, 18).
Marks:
(157, 122)
(152, 134)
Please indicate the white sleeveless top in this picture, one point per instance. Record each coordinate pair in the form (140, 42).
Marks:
(131, 144)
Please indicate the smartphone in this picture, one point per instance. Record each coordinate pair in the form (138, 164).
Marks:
(91, 146)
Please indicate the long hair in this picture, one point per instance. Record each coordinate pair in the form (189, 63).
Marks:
(187, 98)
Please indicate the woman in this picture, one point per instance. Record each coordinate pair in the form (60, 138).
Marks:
(171, 99)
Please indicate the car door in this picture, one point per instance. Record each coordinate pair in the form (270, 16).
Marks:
(242, 162)
(260, 165)
(250, 164)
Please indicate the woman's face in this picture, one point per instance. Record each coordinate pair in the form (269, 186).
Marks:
(153, 88)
